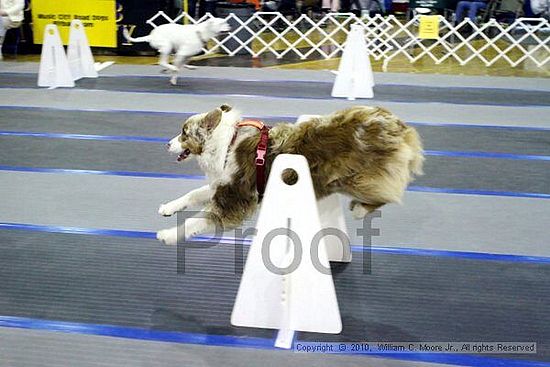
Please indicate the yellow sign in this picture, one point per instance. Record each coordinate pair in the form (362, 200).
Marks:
(429, 27)
(98, 18)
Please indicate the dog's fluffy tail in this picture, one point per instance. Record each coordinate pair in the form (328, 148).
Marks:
(415, 144)
(134, 40)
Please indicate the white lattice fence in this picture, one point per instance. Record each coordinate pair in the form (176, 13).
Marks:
(387, 38)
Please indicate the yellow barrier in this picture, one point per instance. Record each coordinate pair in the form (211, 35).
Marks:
(98, 17)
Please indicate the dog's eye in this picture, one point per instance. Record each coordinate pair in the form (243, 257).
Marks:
(182, 136)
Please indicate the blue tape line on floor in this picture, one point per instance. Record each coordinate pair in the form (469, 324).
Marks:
(85, 136)
(106, 110)
(239, 341)
(439, 190)
(229, 240)
(446, 153)
(477, 126)
(78, 230)
(446, 190)
(438, 153)
(455, 254)
(102, 173)
(135, 333)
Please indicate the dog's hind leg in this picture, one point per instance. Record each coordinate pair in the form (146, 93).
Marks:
(195, 197)
(370, 193)
(360, 210)
(165, 49)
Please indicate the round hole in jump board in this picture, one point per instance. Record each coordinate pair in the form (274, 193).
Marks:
(289, 176)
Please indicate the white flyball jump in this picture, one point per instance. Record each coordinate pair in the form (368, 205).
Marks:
(54, 69)
(79, 53)
(354, 78)
(334, 224)
(58, 69)
(287, 283)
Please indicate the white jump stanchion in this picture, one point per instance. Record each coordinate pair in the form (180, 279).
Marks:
(337, 241)
(102, 65)
(332, 218)
(54, 69)
(79, 53)
(354, 78)
(304, 118)
(302, 297)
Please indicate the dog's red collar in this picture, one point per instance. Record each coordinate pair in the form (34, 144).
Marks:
(261, 151)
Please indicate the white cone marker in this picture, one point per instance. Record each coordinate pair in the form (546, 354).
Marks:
(79, 53)
(355, 78)
(54, 69)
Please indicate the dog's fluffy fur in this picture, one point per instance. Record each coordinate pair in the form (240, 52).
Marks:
(366, 153)
(184, 40)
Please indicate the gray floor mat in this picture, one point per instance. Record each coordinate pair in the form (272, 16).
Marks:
(91, 100)
(446, 172)
(425, 220)
(297, 89)
(133, 282)
(497, 140)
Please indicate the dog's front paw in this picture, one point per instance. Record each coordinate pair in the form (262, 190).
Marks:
(167, 210)
(172, 207)
(174, 80)
(168, 236)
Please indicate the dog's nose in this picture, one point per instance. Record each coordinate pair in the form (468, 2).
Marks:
(168, 146)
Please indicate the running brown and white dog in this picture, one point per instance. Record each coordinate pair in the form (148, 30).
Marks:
(366, 153)
(184, 40)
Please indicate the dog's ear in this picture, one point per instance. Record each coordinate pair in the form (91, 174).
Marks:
(225, 107)
(212, 119)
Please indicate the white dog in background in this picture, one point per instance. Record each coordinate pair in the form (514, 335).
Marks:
(183, 40)
(11, 16)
